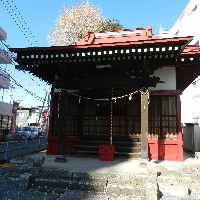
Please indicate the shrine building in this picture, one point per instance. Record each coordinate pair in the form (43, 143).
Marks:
(118, 88)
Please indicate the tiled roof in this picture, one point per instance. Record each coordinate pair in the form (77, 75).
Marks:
(115, 47)
(191, 49)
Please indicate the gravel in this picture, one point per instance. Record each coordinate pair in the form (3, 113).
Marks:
(9, 190)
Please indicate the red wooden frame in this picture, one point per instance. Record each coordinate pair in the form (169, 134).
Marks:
(53, 140)
(166, 149)
(159, 149)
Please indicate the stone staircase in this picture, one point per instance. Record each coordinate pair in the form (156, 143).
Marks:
(161, 181)
(87, 148)
(63, 181)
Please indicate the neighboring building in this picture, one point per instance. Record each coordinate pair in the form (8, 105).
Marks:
(100, 90)
(188, 24)
(5, 108)
(29, 116)
(22, 117)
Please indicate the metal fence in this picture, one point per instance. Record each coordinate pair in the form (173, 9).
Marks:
(20, 146)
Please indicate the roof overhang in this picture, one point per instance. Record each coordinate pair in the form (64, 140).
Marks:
(76, 66)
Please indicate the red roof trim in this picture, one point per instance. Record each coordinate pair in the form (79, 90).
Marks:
(191, 49)
(156, 41)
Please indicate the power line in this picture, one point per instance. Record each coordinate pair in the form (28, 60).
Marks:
(6, 47)
(20, 22)
(22, 25)
(19, 85)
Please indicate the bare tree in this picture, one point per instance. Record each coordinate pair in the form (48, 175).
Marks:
(74, 21)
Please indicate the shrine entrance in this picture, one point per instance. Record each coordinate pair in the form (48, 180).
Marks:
(91, 118)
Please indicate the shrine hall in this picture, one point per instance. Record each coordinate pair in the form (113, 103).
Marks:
(120, 88)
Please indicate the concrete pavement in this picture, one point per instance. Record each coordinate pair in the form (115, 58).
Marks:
(116, 166)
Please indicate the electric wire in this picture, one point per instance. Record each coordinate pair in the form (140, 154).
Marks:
(23, 22)
(22, 25)
(20, 22)
(19, 85)
(12, 62)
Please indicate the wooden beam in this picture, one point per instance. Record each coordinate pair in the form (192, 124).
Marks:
(62, 127)
(108, 82)
(144, 126)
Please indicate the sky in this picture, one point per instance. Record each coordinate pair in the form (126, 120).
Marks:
(27, 23)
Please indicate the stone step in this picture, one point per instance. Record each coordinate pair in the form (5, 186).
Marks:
(80, 147)
(95, 154)
(47, 190)
(87, 148)
(59, 181)
(128, 155)
(82, 153)
(116, 144)
(130, 191)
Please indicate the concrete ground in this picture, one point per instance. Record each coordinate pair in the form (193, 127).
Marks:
(118, 165)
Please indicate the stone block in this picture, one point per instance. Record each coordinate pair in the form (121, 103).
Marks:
(128, 179)
(87, 186)
(38, 161)
(90, 176)
(126, 190)
(192, 170)
(21, 160)
(173, 185)
(25, 181)
(194, 187)
(151, 187)
(151, 169)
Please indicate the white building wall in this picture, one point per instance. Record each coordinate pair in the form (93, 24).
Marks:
(168, 76)
(5, 58)
(188, 24)
(34, 115)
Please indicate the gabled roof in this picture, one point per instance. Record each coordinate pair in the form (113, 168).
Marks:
(118, 36)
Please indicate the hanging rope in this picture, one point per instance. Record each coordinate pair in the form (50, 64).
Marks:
(114, 98)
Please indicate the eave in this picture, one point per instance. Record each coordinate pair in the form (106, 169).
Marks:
(45, 62)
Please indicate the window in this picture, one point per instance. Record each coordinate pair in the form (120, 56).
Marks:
(182, 15)
(20, 114)
(162, 117)
(177, 32)
(194, 9)
(35, 114)
(106, 111)
(194, 89)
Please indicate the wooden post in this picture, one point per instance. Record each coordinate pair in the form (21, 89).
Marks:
(62, 127)
(144, 127)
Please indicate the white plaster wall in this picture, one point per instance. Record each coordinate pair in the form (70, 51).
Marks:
(190, 103)
(168, 76)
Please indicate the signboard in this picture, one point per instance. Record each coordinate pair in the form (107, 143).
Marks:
(13, 122)
(44, 120)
